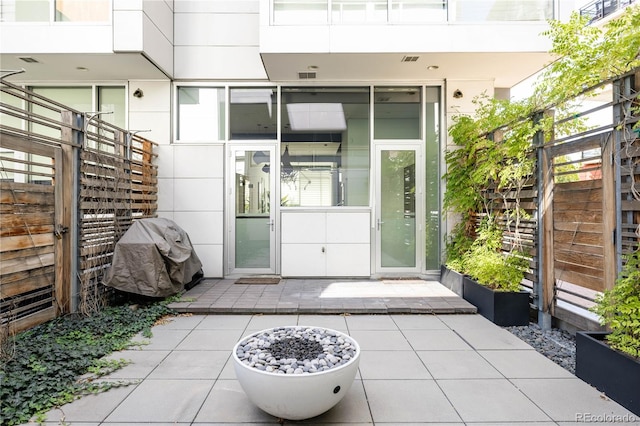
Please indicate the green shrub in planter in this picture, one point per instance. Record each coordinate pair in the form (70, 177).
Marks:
(487, 265)
(619, 308)
(458, 243)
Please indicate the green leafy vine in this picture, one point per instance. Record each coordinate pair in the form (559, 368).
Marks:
(55, 362)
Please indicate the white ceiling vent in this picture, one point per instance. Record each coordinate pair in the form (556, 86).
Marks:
(410, 58)
(307, 75)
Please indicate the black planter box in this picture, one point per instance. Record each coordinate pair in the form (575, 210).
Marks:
(610, 371)
(504, 308)
(451, 279)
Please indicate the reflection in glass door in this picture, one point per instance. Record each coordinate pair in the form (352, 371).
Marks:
(398, 208)
(253, 227)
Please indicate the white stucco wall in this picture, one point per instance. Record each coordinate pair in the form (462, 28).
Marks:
(145, 26)
(190, 176)
(217, 40)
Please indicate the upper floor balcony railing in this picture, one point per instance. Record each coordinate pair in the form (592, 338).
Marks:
(98, 11)
(599, 9)
(323, 12)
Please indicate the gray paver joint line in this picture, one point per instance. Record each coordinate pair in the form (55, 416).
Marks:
(463, 339)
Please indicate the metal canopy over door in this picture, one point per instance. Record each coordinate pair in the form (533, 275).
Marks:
(398, 209)
(252, 229)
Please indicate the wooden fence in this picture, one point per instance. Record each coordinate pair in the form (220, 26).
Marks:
(522, 237)
(28, 250)
(71, 186)
(583, 200)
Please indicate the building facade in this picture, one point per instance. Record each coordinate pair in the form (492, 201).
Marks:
(297, 138)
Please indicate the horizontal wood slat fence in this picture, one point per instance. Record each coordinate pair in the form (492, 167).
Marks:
(71, 184)
(581, 207)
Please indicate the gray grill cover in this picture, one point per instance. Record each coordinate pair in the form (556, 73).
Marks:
(153, 258)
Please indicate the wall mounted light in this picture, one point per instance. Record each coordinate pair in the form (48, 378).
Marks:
(457, 94)
(138, 93)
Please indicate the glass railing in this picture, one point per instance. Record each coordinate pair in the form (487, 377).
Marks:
(599, 9)
(55, 11)
(303, 12)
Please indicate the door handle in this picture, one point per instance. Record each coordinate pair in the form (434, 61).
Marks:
(379, 223)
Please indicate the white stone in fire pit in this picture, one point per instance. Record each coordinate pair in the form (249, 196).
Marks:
(268, 369)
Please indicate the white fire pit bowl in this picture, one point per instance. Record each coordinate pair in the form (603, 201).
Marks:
(296, 396)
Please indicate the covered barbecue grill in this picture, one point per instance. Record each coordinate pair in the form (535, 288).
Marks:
(154, 258)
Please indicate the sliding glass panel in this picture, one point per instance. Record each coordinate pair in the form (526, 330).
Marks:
(201, 114)
(297, 12)
(397, 112)
(358, 11)
(25, 10)
(418, 11)
(325, 147)
(504, 10)
(253, 113)
(82, 10)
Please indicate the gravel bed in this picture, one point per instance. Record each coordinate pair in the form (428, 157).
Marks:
(296, 350)
(557, 345)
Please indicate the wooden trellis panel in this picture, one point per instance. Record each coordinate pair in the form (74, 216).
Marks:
(118, 184)
(525, 237)
(45, 226)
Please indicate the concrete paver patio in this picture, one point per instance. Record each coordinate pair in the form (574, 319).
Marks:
(414, 369)
(323, 296)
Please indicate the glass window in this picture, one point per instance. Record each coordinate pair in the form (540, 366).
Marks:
(24, 10)
(6, 159)
(12, 103)
(432, 179)
(82, 10)
(201, 114)
(358, 11)
(504, 10)
(252, 113)
(325, 147)
(418, 10)
(297, 12)
(113, 99)
(77, 98)
(397, 113)
(65, 10)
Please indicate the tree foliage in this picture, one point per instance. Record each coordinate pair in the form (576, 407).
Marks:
(588, 55)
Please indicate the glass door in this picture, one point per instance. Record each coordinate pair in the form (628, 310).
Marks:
(398, 209)
(252, 228)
